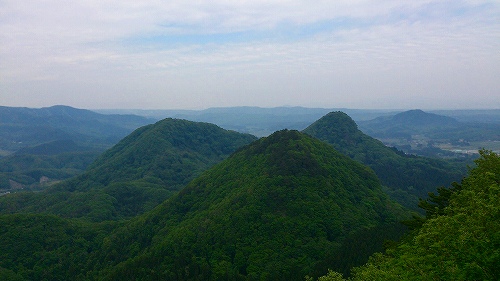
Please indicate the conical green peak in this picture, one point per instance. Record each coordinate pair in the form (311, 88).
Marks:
(288, 152)
(339, 118)
(335, 127)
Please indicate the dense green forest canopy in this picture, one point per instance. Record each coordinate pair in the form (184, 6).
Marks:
(47, 247)
(172, 151)
(406, 177)
(138, 173)
(278, 209)
(461, 242)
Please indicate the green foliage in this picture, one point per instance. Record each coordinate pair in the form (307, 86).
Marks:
(406, 178)
(27, 169)
(460, 243)
(330, 276)
(436, 204)
(138, 173)
(278, 209)
(53, 148)
(57, 143)
(7, 274)
(44, 247)
(173, 151)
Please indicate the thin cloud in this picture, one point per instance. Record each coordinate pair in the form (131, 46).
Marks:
(270, 52)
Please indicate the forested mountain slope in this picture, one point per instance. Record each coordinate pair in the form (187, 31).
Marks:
(136, 174)
(172, 151)
(277, 209)
(460, 243)
(406, 177)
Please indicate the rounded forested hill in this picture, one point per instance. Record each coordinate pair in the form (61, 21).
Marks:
(172, 151)
(417, 118)
(407, 177)
(412, 122)
(138, 173)
(281, 208)
(430, 125)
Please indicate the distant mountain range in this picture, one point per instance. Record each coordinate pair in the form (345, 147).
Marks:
(45, 133)
(257, 121)
(471, 115)
(264, 121)
(429, 134)
(27, 127)
(439, 133)
(157, 160)
(417, 119)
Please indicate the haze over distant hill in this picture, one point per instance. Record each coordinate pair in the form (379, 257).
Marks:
(257, 121)
(419, 118)
(424, 133)
(472, 115)
(40, 166)
(264, 121)
(415, 122)
(22, 127)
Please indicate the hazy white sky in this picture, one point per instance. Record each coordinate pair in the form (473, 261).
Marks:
(155, 54)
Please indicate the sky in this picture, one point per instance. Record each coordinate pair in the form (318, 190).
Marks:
(154, 54)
